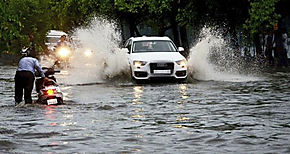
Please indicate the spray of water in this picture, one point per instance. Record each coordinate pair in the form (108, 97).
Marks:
(106, 61)
(212, 59)
(209, 59)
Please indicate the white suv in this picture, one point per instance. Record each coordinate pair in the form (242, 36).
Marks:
(151, 57)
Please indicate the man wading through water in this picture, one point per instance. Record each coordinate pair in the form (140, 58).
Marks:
(280, 46)
(25, 75)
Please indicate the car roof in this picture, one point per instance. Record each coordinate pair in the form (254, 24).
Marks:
(55, 33)
(145, 38)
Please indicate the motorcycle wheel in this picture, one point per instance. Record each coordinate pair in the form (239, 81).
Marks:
(59, 101)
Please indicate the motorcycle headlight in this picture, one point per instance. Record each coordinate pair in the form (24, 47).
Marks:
(182, 63)
(63, 52)
(139, 63)
(88, 53)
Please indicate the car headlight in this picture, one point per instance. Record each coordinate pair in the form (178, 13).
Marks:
(182, 63)
(63, 52)
(139, 63)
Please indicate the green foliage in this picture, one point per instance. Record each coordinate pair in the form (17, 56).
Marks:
(188, 13)
(159, 7)
(21, 18)
(9, 27)
(159, 12)
(262, 16)
(69, 14)
(125, 6)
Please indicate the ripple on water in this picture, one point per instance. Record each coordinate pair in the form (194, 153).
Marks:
(6, 131)
(106, 107)
(199, 117)
(38, 135)
(6, 146)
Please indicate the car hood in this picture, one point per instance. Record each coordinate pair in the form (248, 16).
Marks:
(156, 56)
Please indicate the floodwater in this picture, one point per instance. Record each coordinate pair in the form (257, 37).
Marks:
(215, 111)
(214, 116)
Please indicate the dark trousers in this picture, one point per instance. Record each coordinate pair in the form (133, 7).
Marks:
(284, 58)
(269, 57)
(281, 57)
(24, 80)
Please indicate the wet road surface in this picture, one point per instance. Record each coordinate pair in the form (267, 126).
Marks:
(123, 117)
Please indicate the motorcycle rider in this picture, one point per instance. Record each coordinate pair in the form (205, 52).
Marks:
(63, 51)
(25, 76)
(62, 41)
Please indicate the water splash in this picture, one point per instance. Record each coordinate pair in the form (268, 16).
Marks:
(212, 59)
(107, 59)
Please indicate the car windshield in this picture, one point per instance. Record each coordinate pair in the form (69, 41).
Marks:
(52, 39)
(153, 46)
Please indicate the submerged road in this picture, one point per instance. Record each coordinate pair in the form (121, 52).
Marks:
(123, 117)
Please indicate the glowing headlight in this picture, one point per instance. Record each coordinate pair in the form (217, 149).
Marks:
(182, 63)
(139, 63)
(63, 52)
(88, 53)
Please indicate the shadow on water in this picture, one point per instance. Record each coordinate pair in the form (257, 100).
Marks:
(160, 81)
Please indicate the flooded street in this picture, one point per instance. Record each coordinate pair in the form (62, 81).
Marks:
(145, 77)
(250, 116)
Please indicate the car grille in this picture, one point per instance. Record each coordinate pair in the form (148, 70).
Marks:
(162, 66)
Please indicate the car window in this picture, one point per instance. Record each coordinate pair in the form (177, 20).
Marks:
(52, 39)
(153, 46)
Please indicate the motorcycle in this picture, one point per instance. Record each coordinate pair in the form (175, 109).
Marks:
(48, 90)
(63, 55)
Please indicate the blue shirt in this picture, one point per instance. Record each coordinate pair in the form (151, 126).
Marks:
(64, 43)
(30, 64)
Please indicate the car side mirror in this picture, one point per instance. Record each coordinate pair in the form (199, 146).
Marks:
(125, 50)
(180, 49)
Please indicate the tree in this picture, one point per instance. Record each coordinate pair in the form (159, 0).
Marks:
(133, 12)
(70, 14)
(10, 26)
(21, 18)
(262, 16)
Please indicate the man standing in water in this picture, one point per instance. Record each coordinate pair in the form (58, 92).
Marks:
(280, 46)
(269, 40)
(25, 75)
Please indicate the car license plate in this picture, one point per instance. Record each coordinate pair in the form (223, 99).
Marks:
(161, 65)
(161, 71)
(51, 101)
